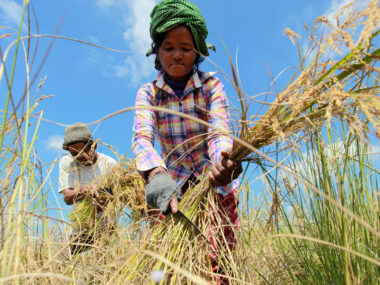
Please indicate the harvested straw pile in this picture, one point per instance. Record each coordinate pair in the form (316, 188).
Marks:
(345, 89)
(128, 191)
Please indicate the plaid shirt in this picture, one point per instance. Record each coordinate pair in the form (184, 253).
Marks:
(187, 147)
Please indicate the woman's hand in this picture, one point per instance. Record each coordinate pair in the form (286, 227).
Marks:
(161, 191)
(225, 170)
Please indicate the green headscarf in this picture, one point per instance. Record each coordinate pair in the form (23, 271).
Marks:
(168, 14)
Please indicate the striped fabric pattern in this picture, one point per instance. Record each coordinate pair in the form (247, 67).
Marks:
(168, 14)
(186, 146)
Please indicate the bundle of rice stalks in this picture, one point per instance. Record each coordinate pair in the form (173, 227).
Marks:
(345, 89)
(177, 241)
(83, 215)
(121, 189)
(316, 96)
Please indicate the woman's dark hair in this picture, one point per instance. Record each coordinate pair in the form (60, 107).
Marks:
(157, 43)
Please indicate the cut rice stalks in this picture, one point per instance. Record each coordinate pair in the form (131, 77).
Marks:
(127, 191)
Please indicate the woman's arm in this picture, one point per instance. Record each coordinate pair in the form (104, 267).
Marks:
(224, 170)
(146, 157)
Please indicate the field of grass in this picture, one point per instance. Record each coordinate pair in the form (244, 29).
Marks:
(315, 221)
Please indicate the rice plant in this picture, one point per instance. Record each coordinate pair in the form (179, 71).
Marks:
(332, 245)
(123, 188)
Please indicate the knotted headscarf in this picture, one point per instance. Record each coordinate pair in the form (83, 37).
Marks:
(168, 14)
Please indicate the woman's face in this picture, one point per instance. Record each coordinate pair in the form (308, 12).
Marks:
(177, 53)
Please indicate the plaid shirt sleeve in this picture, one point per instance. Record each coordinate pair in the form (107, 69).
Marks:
(146, 157)
(218, 117)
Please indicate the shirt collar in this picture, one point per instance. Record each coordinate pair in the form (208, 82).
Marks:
(195, 81)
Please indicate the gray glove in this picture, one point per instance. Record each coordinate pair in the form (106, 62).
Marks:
(159, 191)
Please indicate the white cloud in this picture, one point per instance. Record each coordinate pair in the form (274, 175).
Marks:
(11, 12)
(54, 142)
(138, 24)
(334, 8)
(330, 12)
(336, 5)
(137, 67)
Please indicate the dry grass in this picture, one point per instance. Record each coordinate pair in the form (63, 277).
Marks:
(128, 191)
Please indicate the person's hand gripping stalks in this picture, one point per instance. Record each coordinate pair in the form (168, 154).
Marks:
(225, 170)
(160, 191)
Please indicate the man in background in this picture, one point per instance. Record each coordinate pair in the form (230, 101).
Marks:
(79, 174)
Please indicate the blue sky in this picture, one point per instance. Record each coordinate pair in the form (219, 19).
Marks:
(89, 83)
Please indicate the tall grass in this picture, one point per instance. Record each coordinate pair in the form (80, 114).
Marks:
(316, 242)
(316, 223)
(19, 167)
(348, 176)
